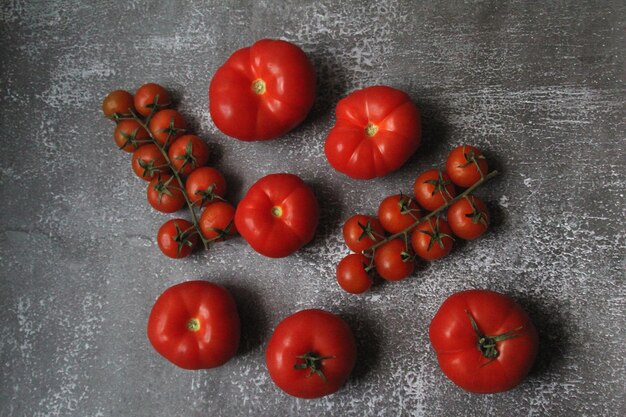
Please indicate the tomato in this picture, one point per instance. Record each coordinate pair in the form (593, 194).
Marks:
(216, 221)
(468, 218)
(485, 342)
(195, 325)
(177, 238)
(165, 194)
(433, 189)
(361, 231)
(311, 354)
(118, 103)
(466, 165)
(129, 135)
(187, 153)
(148, 161)
(397, 213)
(352, 273)
(377, 130)
(205, 185)
(263, 91)
(432, 239)
(150, 95)
(167, 125)
(278, 215)
(393, 261)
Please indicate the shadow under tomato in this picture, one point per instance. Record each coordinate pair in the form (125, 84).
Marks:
(329, 199)
(367, 342)
(254, 325)
(435, 135)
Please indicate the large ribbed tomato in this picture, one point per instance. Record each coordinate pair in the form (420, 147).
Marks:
(377, 130)
(263, 91)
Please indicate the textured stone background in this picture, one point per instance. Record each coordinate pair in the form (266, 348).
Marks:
(539, 87)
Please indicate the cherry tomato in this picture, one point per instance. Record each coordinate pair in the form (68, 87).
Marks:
(187, 153)
(118, 103)
(465, 165)
(393, 261)
(398, 212)
(311, 354)
(263, 91)
(361, 231)
(195, 325)
(148, 162)
(165, 195)
(205, 185)
(278, 215)
(149, 95)
(377, 130)
(352, 275)
(468, 218)
(177, 238)
(167, 125)
(432, 239)
(129, 135)
(433, 189)
(485, 342)
(217, 221)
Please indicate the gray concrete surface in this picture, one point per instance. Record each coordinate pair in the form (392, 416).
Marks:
(539, 87)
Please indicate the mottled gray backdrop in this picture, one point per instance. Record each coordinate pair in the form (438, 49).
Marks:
(539, 87)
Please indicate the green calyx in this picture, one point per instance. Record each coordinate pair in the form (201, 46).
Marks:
(312, 362)
(487, 345)
(436, 236)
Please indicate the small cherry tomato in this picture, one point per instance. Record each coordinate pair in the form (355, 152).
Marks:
(187, 153)
(129, 135)
(217, 221)
(397, 212)
(393, 261)
(118, 103)
(352, 275)
(433, 189)
(432, 239)
(205, 185)
(177, 238)
(151, 95)
(166, 126)
(165, 195)
(466, 165)
(361, 231)
(468, 218)
(148, 161)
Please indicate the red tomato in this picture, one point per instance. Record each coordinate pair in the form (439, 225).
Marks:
(468, 218)
(129, 135)
(148, 161)
(432, 239)
(195, 325)
(150, 95)
(311, 354)
(216, 221)
(484, 341)
(263, 91)
(167, 125)
(352, 273)
(177, 238)
(361, 231)
(433, 189)
(165, 194)
(205, 185)
(466, 165)
(278, 215)
(393, 261)
(397, 213)
(187, 153)
(118, 103)
(377, 130)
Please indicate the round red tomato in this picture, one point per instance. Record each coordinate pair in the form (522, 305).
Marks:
(466, 165)
(432, 239)
(433, 189)
(263, 91)
(177, 238)
(129, 135)
(468, 218)
(195, 325)
(311, 354)
(397, 213)
(165, 194)
(216, 221)
(187, 153)
(393, 261)
(118, 103)
(167, 125)
(205, 185)
(377, 130)
(484, 341)
(278, 215)
(352, 274)
(148, 162)
(149, 96)
(361, 231)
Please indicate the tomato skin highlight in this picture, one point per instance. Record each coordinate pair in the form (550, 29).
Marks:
(389, 263)
(165, 203)
(195, 325)
(425, 193)
(118, 102)
(391, 217)
(461, 220)
(166, 238)
(219, 215)
(353, 232)
(198, 157)
(145, 98)
(160, 126)
(462, 171)
(200, 180)
(151, 155)
(351, 274)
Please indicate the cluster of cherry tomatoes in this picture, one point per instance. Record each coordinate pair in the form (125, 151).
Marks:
(410, 228)
(174, 165)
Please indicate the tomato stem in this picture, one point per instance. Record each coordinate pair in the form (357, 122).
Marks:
(487, 345)
(312, 362)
